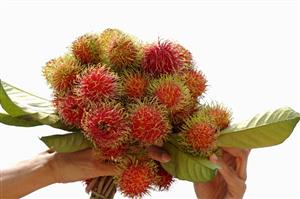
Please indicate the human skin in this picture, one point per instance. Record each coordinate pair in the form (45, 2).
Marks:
(51, 167)
(230, 182)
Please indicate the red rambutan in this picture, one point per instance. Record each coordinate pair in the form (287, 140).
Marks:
(70, 108)
(162, 58)
(135, 85)
(220, 115)
(88, 49)
(98, 83)
(61, 73)
(199, 135)
(123, 52)
(105, 124)
(171, 92)
(136, 179)
(185, 55)
(163, 179)
(112, 152)
(149, 123)
(195, 81)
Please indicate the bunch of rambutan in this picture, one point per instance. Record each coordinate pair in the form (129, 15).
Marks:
(125, 95)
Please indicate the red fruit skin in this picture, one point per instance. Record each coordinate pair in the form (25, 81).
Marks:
(122, 52)
(185, 55)
(163, 179)
(220, 116)
(201, 136)
(195, 81)
(135, 86)
(162, 58)
(98, 84)
(136, 179)
(87, 49)
(170, 95)
(70, 108)
(105, 126)
(112, 152)
(148, 125)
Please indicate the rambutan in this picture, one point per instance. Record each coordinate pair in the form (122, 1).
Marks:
(163, 179)
(70, 109)
(185, 55)
(88, 49)
(220, 115)
(162, 58)
(195, 81)
(112, 152)
(108, 35)
(123, 52)
(105, 124)
(149, 122)
(135, 85)
(171, 92)
(136, 178)
(98, 83)
(61, 73)
(179, 117)
(199, 135)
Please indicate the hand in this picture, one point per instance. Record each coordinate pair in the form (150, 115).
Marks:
(158, 154)
(81, 165)
(231, 177)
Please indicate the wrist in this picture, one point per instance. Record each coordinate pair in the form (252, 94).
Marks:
(52, 166)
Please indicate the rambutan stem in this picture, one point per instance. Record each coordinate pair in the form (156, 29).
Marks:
(103, 188)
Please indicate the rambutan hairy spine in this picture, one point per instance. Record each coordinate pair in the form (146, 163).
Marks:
(171, 92)
(163, 57)
(135, 85)
(98, 83)
(88, 49)
(105, 124)
(136, 178)
(149, 122)
(61, 73)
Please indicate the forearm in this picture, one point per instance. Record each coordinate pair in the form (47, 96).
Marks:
(26, 177)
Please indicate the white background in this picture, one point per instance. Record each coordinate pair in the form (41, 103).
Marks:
(247, 49)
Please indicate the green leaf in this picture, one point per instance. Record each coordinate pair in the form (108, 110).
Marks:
(268, 129)
(23, 121)
(17, 102)
(28, 108)
(185, 166)
(70, 142)
(7, 104)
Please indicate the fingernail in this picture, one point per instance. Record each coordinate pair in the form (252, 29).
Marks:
(213, 158)
(165, 157)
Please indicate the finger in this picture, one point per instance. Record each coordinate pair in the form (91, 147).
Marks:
(242, 165)
(229, 175)
(236, 152)
(158, 154)
(47, 152)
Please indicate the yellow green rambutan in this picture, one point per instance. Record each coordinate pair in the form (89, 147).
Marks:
(219, 114)
(199, 135)
(61, 73)
(195, 81)
(123, 52)
(88, 49)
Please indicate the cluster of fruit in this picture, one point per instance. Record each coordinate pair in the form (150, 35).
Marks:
(125, 95)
